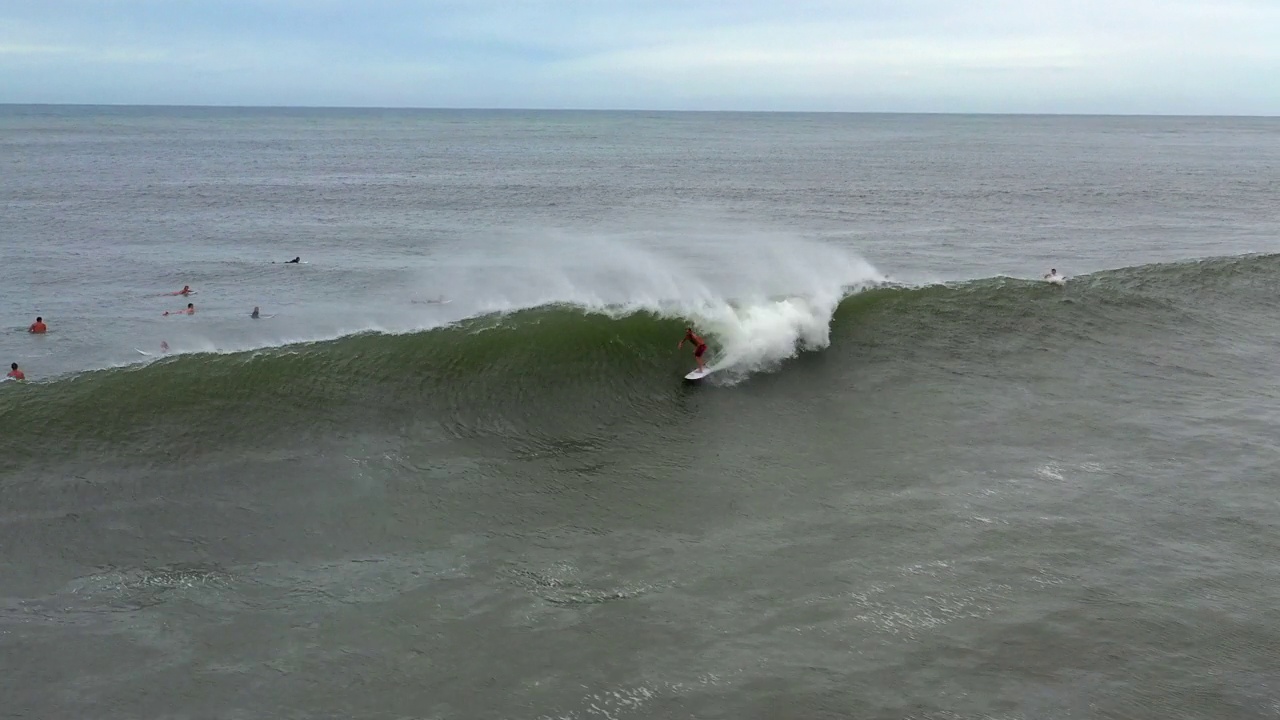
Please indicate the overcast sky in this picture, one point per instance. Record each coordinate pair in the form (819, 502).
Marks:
(1105, 56)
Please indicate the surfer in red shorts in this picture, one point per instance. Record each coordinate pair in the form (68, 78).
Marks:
(700, 346)
(16, 373)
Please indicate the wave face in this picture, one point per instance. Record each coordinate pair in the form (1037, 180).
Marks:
(596, 364)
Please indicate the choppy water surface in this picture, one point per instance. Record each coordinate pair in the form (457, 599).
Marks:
(456, 473)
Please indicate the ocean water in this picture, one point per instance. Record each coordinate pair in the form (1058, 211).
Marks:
(456, 472)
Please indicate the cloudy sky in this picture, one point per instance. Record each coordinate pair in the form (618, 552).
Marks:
(1108, 56)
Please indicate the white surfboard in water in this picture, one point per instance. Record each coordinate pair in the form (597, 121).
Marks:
(698, 374)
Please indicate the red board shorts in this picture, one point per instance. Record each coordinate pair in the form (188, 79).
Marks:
(701, 349)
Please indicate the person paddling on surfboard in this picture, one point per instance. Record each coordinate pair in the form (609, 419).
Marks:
(700, 346)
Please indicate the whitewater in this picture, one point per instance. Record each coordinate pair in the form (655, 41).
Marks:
(757, 297)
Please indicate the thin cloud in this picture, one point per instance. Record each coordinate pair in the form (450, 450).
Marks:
(30, 49)
(1162, 56)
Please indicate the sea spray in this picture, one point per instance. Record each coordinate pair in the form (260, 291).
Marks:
(759, 336)
(758, 297)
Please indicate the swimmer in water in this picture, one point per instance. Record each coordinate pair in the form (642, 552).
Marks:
(190, 310)
(38, 327)
(15, 373)
(254, 314)
(186, 290)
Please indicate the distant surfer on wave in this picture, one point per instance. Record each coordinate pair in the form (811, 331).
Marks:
(700, 346)
(190, 310)
(15, 373)
(255, 315)
(186, 290)
(38, 327)
(294, 261)
(1052, 274)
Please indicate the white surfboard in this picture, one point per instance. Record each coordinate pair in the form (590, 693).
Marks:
(143, 352)
(698, 374)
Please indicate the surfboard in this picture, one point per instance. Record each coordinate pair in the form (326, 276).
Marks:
(143, 352)
(1056, 280)
(698, 374)
(261, 317)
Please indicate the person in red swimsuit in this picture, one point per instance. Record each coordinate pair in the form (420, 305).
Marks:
(38, 327)
(700, 346)
(15, 373)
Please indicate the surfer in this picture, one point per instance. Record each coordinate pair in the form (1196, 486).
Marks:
(294, 261)
(190, 310)
(38, 327)
(254, 314)
(1052, 274)
(186, 290)
(15, 373)
(700, 346)
(164, 346)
